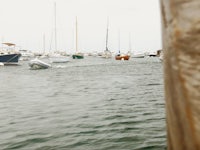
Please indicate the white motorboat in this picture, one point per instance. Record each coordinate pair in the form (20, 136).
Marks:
(138, 55)
(56, 58)
(25, 55)
(107, 54)
(9, 55)
(38, 64)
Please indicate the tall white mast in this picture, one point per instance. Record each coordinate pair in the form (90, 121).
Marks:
(119, 40)
(76, 35)
(130, 47)
(44, 43)
(107, 35)
(55, 27)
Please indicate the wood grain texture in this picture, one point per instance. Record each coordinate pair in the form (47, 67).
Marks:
(181, 44)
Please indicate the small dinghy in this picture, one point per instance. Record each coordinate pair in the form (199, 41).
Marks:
(38, 64)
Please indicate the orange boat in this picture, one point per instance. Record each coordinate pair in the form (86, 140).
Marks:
(122, 57)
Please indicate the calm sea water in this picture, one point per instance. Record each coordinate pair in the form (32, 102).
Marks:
(89, 104)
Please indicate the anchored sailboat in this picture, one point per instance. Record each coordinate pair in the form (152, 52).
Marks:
(107, 53)
(77, 55)
(56, 57)
(134, 55)
(121, 56)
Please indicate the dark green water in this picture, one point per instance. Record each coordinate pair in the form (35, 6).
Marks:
(89, 104)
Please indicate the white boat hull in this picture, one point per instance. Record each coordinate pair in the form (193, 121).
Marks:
(38, 64)
(138, 56)
(59, 59)
(106, 54)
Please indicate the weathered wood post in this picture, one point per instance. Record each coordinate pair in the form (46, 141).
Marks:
(181, 44)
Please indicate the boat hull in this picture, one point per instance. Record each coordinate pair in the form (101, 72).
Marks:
(138, 56)
(107, 54)
(10, 59)
(77, 56)
(59, 60)
(122, 57)
(38, 64)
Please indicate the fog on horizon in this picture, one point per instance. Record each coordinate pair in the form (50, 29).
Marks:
(26, 22)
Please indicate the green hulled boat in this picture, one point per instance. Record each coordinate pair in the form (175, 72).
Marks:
(77, 55)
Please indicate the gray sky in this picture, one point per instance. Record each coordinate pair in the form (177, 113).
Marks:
(24, 22)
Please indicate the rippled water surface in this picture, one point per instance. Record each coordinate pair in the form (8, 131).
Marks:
(89, 104)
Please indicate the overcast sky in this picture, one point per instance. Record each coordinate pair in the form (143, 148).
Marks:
(27, 22)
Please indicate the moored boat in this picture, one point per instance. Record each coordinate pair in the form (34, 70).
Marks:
(9, 56)
(58, 58)
(26, 55)
(78, 56)
(10, 59)
(107, 53)
(122, 57)
(38, 64)
(138, 55)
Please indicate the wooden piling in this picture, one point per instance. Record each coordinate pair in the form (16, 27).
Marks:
(181, 45)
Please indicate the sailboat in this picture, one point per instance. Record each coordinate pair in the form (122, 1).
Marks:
(77, 55)
(56, 57)
(107, 53)
(121, 56)
(134, 55)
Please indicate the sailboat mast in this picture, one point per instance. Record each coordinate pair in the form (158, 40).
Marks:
(119, 41)
(76, 35)
(44, 43)
(55, 27)
(107, 35)
(130, 47)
